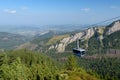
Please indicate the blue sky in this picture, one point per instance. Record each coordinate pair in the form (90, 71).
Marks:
(45, 12)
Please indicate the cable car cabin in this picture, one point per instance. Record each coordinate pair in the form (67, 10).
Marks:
(79, 52)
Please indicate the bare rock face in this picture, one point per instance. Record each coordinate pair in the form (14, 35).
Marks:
(101, 31)
(89, 33)
(115, 27)
(65, 41)
(86, 35)
(51, 47)
(61, 47)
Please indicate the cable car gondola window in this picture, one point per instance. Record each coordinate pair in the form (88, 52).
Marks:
(79, 51)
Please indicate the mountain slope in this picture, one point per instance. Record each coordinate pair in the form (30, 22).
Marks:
(94, 40)
(28, 65)
(10, 41)
(112, 40)
(92, 37)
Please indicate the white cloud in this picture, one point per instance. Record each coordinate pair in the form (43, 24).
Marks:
(24, 8)
(85, 9)
(114, 7)
(10, 11)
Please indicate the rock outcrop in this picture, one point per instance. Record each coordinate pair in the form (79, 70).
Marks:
(86, 35)
(65, 41)
(115, 26)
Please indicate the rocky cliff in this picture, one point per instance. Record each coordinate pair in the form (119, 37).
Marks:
(115, 26)
(86, 35)
(65, 41)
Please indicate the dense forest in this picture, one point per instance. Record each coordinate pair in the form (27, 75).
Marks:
(28, 65)
(103, 66)
(107, 68)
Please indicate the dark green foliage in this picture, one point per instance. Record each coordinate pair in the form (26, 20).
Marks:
(28, 65)
(24, 65)
(94, 45)
(52, 53)
(70, 46)
(14, 71)
(71, 63)
(107, 68)
(112, 41)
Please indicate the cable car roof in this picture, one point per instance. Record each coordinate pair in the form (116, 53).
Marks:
(79, 49)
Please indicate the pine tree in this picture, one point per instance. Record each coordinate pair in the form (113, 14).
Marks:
(71, 63)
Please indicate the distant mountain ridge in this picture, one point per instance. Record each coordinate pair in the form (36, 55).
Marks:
(33, 30)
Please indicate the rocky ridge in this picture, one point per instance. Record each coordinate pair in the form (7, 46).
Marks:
(65, 41)
(115, 26)
(86, 35)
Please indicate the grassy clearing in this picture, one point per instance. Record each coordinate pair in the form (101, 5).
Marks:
(55, 39)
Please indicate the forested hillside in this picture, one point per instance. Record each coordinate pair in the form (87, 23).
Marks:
(28, 65)
(11, 41)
